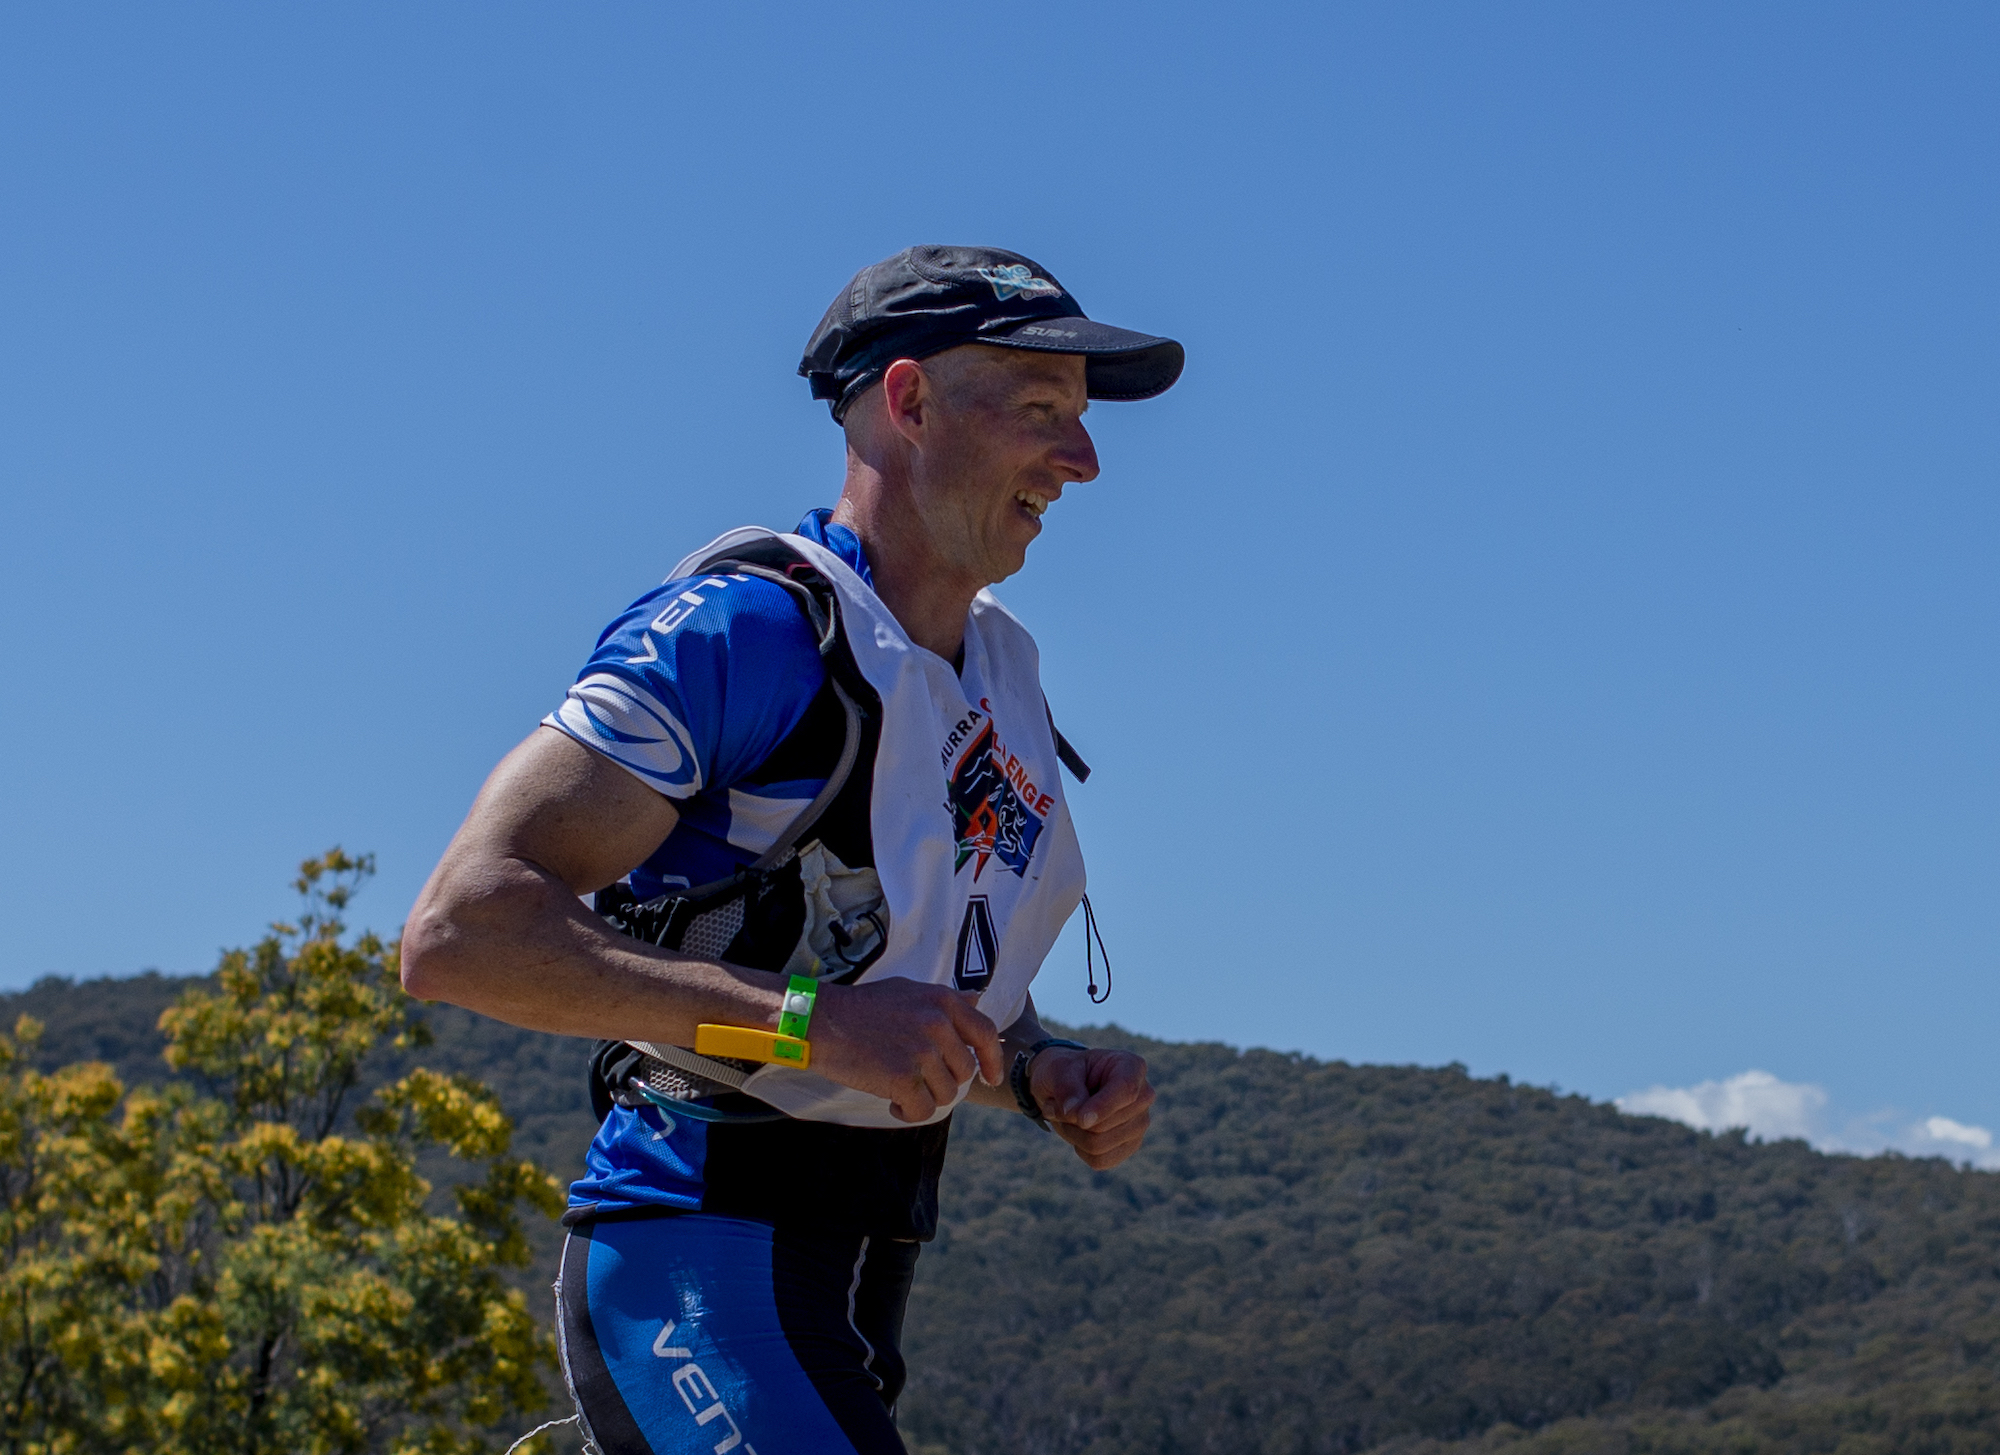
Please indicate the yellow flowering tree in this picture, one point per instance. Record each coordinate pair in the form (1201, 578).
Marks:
(248, 1260)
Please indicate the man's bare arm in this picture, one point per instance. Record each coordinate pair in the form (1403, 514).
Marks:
(499, 929)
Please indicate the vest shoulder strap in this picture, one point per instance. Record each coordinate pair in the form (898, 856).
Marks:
(780, 564)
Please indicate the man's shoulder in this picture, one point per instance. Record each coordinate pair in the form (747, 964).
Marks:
(696, 682)
(731, 613)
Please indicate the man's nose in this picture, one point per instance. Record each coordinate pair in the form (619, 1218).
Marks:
(1077, 456)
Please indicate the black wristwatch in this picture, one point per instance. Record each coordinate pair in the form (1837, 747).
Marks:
(1017, 1077)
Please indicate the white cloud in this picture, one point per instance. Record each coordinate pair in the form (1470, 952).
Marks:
(1943, 1137)
(1771, 1109)
(1756, 1100)
(1944, 1129)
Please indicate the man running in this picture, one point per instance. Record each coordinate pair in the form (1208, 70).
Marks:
(814, 787)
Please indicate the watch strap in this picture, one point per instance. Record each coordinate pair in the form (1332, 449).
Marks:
(1017, 1076)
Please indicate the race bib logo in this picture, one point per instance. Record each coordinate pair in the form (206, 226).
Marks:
(978, 947)
(997, 811)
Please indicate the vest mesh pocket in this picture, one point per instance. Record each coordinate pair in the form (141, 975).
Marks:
(709, 933)
(677, 1085)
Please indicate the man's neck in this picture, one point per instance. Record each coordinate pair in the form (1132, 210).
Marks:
(914, 581)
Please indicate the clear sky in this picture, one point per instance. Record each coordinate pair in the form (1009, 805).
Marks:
(1552, 625)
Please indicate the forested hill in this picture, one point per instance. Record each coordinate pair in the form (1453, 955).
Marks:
(1316, 1257)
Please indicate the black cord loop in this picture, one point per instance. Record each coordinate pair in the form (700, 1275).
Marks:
(1089, 966)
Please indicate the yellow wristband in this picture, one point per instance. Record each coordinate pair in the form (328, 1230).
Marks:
(742, 1043)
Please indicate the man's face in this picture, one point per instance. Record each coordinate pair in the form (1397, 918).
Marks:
(1006, 437)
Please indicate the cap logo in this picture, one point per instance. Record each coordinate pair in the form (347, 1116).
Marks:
(1018, 278)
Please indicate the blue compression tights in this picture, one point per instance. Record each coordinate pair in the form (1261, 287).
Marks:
(700, 1335)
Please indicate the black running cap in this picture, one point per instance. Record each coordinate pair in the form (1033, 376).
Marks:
(931, 298)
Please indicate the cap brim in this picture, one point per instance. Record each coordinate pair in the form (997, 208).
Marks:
(1120, 364)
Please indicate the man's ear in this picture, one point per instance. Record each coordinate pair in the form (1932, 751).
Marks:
(907, 399)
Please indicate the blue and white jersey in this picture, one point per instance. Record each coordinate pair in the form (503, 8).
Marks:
(690, 690)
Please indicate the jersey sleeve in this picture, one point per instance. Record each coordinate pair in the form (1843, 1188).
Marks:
(695, 683)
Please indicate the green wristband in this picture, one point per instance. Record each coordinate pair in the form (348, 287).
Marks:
(796, 1014)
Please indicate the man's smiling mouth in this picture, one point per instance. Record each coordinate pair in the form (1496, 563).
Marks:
(1034, 501)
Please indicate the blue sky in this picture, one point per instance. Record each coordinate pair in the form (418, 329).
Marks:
(1552, 625)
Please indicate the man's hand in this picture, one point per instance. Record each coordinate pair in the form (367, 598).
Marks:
(1097, 1101)
(911, 1043)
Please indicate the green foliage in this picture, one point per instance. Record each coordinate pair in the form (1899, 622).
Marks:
(53, 1133)
(1315, 1257)
(244, 1260)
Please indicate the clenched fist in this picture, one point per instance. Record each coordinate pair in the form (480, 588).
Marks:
(1096, 1100)
(913, 1044)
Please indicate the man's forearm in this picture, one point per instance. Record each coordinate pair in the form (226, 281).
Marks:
(508, 939)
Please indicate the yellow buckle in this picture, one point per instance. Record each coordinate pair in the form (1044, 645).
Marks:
(742, 1043)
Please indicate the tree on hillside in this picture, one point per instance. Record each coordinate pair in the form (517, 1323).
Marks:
(247, 1260)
